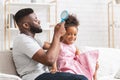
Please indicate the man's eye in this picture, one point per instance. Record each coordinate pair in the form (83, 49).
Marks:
(75, 34)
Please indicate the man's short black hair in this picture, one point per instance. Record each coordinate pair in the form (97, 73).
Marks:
(22, 13)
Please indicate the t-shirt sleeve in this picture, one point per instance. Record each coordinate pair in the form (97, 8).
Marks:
(29, 47)
(41, 43)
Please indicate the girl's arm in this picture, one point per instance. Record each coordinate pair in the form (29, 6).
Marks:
(54, 68)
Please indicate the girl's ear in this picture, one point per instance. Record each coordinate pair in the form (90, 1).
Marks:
(25, 25)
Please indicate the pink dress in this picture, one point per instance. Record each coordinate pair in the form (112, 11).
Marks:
(83, 64)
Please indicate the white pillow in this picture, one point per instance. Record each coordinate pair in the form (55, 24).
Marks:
(8, 77)
(108, 61)
(117, 76)
(109, 77)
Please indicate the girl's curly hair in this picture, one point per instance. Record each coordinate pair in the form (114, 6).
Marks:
(71, 21)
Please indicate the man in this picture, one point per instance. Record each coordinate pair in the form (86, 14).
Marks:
(30, 59)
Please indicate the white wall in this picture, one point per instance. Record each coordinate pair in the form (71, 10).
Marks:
(1, 26)
(42, 13)
(92, 15)
(117, 25)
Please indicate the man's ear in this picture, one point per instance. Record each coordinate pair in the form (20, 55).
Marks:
(25, 25)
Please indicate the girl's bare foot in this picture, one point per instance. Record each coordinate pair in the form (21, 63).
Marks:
(97, 66)
(94, 77)
(95, 74)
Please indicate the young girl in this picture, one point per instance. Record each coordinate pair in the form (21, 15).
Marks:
(70, 59)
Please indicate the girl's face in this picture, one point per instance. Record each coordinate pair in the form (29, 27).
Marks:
(70, 36)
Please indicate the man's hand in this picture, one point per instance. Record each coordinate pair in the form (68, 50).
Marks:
(60, 29)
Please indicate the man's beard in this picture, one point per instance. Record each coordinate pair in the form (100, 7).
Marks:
(33, 29)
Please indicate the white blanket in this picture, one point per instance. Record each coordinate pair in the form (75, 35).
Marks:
(109, 62)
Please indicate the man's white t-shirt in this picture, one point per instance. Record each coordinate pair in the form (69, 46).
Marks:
(24, 47)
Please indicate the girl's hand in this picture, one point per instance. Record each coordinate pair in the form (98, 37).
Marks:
(77, 52)
(53, 70)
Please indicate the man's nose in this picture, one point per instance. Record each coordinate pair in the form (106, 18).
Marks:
(38, 21)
